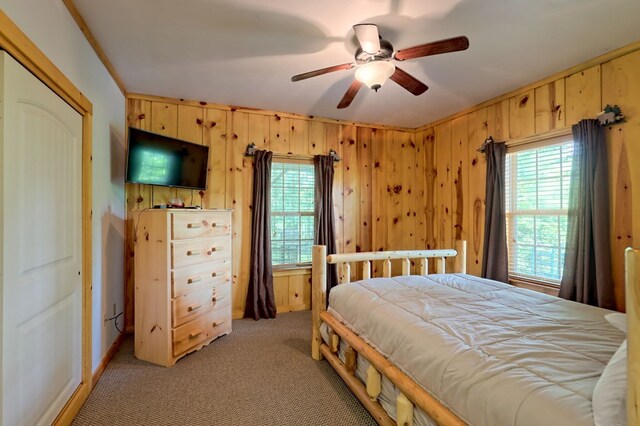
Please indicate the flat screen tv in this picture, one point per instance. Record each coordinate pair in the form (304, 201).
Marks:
(155, 159)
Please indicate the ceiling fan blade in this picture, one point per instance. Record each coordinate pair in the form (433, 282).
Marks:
(351, 93)
(434, 48)
(316, 73)
(413, 85)
(368, 37)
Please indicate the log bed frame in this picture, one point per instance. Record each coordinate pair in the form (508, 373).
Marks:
(411, 394)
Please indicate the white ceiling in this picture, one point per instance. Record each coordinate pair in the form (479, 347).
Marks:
(244, 52)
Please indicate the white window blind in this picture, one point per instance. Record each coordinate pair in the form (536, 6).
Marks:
(292, 213)
(537, 197)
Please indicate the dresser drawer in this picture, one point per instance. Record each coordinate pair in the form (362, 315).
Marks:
(200, 224)
(188, 280)
(192, 252)
(188, 307)
(202, 329)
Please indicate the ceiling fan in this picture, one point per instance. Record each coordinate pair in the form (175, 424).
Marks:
(374, 66)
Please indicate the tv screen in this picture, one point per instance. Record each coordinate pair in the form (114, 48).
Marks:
(160, 160)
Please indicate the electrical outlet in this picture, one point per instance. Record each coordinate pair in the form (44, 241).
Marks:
(114, 309)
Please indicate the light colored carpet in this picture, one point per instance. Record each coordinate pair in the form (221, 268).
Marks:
(260, 374)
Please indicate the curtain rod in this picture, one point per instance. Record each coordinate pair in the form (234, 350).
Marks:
(609, 116)
(251, 152)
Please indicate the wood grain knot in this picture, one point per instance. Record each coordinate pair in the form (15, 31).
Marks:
(141, 116)
(395, 220)
(277, 117)
(397, 189)
(199, 121)
(524, 101)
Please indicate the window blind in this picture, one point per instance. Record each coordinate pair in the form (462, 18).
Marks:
(537, 196)
(292, 213)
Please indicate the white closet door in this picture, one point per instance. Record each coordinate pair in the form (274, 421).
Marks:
(42, 284)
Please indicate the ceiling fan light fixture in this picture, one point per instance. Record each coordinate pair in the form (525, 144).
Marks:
(373, 74)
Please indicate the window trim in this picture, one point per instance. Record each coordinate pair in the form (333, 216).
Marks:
(556, 137)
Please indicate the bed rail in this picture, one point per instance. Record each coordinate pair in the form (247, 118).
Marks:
(633, 323)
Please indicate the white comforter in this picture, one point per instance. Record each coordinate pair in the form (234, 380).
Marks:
(493, 353)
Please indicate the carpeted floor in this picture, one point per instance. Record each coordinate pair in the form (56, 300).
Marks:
(260, 374)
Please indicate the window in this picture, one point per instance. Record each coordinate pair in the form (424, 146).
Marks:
(537, 198)
(292, 213)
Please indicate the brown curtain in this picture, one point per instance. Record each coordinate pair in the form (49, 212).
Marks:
(586, 276)
(324, 221)
(260, 299)
(495, 258)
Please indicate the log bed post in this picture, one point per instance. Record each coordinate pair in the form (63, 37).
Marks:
(318, 296)
(460, 261)
(632, 279)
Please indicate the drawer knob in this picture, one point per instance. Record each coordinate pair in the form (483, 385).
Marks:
(193, 308)
(216, 225)
(195, 334)
(193, 253)
(194, 225)
(216, 324)
(216, 249)
(193, 280)
(214, 274)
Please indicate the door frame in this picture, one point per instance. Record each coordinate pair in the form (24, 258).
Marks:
(21, 48)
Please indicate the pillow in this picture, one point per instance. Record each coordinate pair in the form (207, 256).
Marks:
(618, 320)
(610, 394)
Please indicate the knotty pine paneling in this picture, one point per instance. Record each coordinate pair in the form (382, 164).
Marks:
(357, 200)
(555, 105)
(439, 165)
(621, 86)
(549, 107)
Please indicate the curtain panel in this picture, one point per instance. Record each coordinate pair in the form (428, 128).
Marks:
(495, 263)
(260, 297)
(586, 275)
(324, 218)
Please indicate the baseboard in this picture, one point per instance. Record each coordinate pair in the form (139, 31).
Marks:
(72, 407)
(106, 360)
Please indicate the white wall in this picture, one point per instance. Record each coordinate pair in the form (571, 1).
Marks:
(50, 26)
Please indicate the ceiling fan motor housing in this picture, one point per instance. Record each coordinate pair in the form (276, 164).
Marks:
(385, 53)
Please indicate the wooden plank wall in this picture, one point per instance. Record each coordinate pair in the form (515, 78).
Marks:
(456, 171)
(372, 158)
(396, 188)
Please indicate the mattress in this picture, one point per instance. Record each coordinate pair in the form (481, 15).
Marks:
(493, 353)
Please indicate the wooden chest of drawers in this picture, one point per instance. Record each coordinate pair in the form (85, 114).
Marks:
(182, 282)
